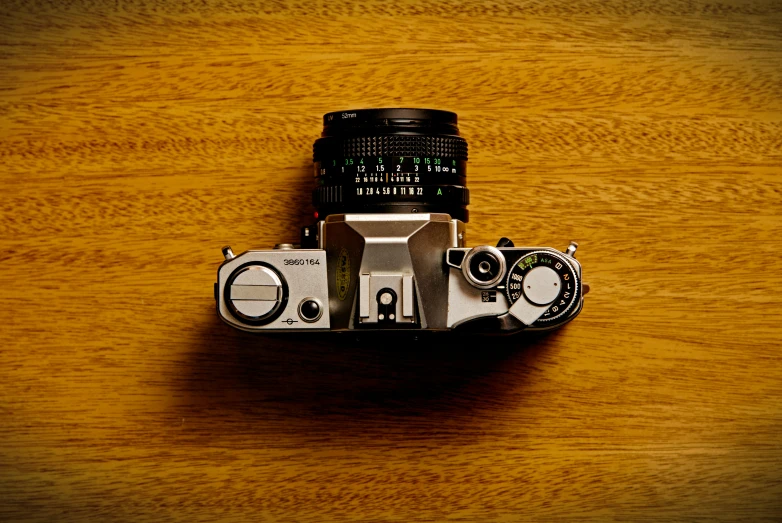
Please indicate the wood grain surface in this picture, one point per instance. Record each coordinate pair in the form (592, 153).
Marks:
(139, 137)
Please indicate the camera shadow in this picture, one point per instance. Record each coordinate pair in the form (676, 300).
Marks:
(330, 385)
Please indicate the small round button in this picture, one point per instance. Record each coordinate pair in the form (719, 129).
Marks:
(310, 310)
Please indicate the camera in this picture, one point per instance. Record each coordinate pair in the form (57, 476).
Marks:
(387, 250)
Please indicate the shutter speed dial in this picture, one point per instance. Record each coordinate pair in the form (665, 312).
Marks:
(544, 278)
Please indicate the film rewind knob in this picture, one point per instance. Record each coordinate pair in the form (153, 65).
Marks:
(255, 294)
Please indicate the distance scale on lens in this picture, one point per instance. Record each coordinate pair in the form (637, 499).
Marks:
(392, 170)
(544, 277)
(367, 183)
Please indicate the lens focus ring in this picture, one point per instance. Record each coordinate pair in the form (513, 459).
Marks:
(391, 145)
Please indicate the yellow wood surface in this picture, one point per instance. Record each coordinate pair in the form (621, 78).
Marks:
(139, 137)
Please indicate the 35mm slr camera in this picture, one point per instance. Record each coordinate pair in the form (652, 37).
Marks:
(388, 249)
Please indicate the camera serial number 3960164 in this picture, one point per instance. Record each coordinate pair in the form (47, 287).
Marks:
(387, 251)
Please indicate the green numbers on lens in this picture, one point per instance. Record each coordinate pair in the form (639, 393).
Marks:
(427, 160)
(454, 163)
(361, 161)
(416, 160)
(379, 160)
(401, 159)
(348, 161)
(334, 163)
(437, 161)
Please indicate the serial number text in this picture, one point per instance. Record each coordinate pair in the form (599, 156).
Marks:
(302, 261)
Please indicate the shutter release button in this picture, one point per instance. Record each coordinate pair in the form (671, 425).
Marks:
(310, 310)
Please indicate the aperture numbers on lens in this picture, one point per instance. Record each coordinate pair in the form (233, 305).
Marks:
(390, 191)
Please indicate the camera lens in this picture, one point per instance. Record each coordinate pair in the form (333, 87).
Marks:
(391, 160)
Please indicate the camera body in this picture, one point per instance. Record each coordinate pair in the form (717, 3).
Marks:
(388, 252)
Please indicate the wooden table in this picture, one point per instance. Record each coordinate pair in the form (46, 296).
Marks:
(138, 138)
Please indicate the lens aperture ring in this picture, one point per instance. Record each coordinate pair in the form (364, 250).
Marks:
(391, 145)
(448, 195)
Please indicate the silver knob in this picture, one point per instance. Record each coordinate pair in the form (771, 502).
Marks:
(255, 293)
(483, 266)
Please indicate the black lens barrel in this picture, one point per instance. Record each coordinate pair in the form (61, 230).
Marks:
(391, 160)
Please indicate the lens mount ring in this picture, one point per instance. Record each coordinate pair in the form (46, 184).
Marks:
(483, 277)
